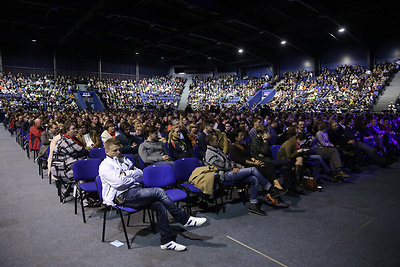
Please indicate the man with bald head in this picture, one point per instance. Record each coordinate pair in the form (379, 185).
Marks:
(34, 135)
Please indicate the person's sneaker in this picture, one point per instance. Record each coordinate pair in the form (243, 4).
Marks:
(343, 175)
(195, 221)
(275, 192)
(85, 203)
(173, 246)
(255, 208)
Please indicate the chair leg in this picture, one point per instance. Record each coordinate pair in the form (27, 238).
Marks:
(76, 202)
(58, 183)
(104, 225)
(39, 161)
(222, 203)
(83, 208)
(129, 219)
(188, 207)
(123, 226)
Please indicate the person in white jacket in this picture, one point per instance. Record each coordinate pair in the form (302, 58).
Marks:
(118, 179)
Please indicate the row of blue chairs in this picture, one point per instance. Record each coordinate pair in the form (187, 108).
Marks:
(87, 180)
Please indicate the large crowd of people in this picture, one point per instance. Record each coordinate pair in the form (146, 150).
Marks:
(125, 94)
(227, 90)
(345, 88)
(334, 142)
(271, 149)
(37, 92)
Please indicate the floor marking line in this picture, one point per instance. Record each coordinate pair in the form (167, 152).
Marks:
(355, 231)
(266, 256)
(361, 227)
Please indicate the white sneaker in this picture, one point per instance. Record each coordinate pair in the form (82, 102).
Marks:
(195, 221)
(173, 246)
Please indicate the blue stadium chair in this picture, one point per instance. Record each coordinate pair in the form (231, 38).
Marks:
(133, 160)
(98, 153)
(183, 169)
(142, 165)
(119, 209)
(85, 172)
(163, 176)
(274, 150)
(41, 161)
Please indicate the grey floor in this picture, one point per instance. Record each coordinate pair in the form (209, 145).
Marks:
(355, 224)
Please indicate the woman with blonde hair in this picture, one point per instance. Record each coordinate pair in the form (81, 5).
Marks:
(178, 147)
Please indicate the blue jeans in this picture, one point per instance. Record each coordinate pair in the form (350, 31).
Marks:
(248, 176)
(318, 163)
(369, 150)
(158, 201)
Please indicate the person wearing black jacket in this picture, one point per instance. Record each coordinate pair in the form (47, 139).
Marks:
(348, 152)
(179, 148)
(352, 136)
(129, 143)
(260, 148)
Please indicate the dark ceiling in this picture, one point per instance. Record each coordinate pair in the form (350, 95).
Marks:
(199, 32)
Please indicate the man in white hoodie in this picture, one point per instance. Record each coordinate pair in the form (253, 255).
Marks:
(120, 181)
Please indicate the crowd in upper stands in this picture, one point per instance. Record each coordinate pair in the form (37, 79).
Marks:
(225, 90)
(125, 94)
(347, 87)
(38, 92)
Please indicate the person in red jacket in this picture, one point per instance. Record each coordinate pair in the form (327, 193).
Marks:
(34, 135)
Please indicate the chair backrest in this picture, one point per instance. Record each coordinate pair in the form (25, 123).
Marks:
(168, 151)
(86, 169)
(130, 157)
(142, 165)
(159, 175)
(274, 151)
(99, 187)
(196, 152)
(184, 168)
(98, 153)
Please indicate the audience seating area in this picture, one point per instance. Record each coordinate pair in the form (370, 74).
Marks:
(345, 88)
(225, 90)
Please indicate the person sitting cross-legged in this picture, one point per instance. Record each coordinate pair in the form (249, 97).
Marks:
(235, 173)
(118, 179)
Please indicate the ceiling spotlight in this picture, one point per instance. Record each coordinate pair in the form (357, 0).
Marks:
(34, 40)
(240, 50)
(283, 42)
(341, 30)
(136, 53)
(162, 57)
